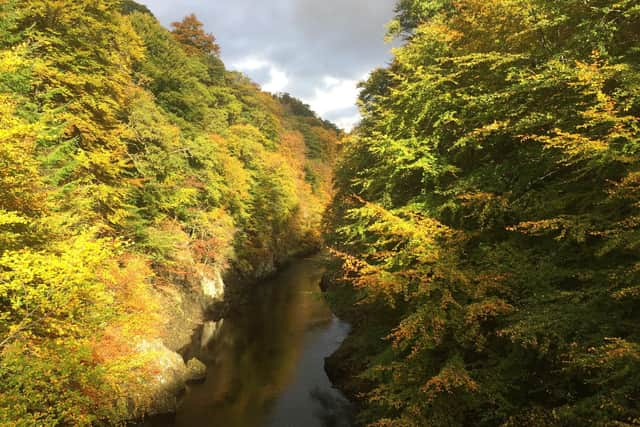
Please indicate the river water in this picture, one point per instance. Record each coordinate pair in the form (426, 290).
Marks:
(266, 360)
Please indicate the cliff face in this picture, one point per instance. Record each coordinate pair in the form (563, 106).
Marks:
(137, 172)
(186, 310)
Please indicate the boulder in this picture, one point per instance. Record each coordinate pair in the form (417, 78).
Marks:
(196, 371)
(161, 392)
(213, 288)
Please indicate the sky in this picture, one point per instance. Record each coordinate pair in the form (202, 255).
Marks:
(316, 50)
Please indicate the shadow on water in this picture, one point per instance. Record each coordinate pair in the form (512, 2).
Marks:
(266, 360)
(335, 411)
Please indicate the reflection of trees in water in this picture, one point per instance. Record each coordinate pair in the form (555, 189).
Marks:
(253, 355)
(333, 410)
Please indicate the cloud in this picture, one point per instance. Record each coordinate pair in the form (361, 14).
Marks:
(250, 64)
(278, 81)
(347, 122)
(277, 78)
(315, 50)
(334, 94)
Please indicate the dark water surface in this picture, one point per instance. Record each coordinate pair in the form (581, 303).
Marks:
(266, 361)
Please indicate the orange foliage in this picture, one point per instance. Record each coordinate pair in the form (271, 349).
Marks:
(190, 33)
(140, 314)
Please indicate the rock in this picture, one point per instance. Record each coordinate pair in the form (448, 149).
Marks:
(185, 308)
(213, 287)
(161, 392)
(196, 371)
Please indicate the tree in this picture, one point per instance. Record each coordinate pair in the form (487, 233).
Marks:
(190, 33)
(131, 161)
(489, 201)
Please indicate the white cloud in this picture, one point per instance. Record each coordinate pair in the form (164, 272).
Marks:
(334, 95)
(278, 79)
(250, 64)
(348, 122)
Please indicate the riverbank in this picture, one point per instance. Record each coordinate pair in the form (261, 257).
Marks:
(266, 357)
(353, 356)
(192, 305)
(343, 362)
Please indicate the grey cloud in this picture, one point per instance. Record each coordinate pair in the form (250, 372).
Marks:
(307, 39)
(342, 112)
(261, 75)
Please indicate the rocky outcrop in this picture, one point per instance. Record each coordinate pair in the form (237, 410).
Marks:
(213, 287)
(196, 371)
(188, 303)
(162, 390)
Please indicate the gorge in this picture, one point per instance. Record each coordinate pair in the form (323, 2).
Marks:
(166, 226)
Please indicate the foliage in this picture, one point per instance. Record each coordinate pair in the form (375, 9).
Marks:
(489, 196)
(131, 163)
(189, 32)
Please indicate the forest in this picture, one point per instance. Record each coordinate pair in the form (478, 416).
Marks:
(487, 217)
(483, 217)
(132, 163)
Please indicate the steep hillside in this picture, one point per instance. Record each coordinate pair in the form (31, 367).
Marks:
(135, 170)
(488, 218)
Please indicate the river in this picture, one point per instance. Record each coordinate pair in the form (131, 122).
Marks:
(266, 360)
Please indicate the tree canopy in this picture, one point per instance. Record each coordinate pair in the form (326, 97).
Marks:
(487, 217)
(191, 35)
(132, 164)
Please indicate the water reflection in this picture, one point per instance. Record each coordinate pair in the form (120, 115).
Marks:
(334, 410)
(266, 362)
(210, 331)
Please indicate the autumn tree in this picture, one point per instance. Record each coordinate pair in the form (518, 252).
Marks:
(190, 33)
(131, 160)
(487, 215)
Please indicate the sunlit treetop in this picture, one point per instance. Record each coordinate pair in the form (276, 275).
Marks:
(190, 33)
